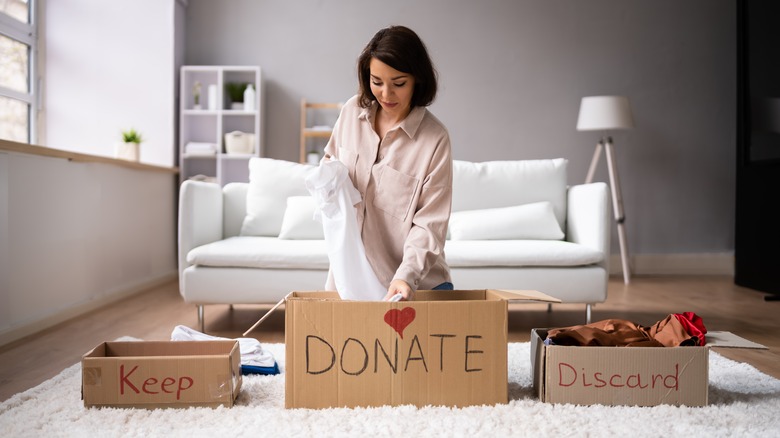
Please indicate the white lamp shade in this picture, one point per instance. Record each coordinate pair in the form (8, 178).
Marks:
(600, 113)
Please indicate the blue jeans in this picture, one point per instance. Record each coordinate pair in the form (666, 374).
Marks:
(444, 286)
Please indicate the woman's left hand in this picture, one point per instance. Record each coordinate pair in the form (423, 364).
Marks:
(400, 287)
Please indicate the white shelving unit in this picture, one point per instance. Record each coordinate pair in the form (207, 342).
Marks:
(215, 118)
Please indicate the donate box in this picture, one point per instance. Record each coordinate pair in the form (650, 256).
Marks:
(641, 376)
(162, 374)
(446, 348)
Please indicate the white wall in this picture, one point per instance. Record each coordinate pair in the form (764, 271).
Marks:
(74, 235)
(109, 66)
(512, 75)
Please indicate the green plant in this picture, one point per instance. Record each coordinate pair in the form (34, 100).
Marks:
(196, 92)
(236, 90)
(132, 136)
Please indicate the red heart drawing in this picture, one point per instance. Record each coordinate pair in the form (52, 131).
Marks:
(399, 319)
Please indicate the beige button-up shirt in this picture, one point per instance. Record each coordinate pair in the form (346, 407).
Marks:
(405, 180)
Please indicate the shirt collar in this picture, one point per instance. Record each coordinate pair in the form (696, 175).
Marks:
(409, 125)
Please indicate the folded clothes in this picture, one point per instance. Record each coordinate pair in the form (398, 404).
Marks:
(198, 148)
(252, 353)
(673, 331)
(200, 145)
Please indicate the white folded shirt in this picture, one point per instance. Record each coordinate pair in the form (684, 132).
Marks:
(252, 353)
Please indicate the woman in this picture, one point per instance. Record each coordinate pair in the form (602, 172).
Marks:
(399, 159)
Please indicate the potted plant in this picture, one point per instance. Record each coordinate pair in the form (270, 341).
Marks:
(196, 94)
(235, 91)
(129, 148)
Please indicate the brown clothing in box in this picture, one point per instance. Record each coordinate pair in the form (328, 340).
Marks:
(618, 332)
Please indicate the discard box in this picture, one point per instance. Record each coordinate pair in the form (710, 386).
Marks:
(162, 374)
(642, 376)
(445, 348)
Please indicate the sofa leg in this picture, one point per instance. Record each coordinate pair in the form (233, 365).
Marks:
(549, 307)
(588, 308)
(201, 323)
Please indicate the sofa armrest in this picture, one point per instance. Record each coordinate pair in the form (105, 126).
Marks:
(587, 217)
(200, 217)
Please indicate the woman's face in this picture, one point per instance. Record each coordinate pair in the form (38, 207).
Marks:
(393, 89)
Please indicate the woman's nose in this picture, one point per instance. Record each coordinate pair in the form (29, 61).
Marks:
(387, 92)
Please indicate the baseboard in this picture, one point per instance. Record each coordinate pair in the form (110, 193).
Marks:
(15, 333)
(676, 264)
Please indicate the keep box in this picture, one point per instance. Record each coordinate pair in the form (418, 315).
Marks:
(446, 348)
(162, 374)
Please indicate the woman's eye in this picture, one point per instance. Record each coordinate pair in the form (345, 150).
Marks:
(400, 85)
(378, 84)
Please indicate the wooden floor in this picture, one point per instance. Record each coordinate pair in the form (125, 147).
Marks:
(151, 315)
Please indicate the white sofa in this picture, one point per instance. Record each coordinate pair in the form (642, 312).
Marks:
(502, 234)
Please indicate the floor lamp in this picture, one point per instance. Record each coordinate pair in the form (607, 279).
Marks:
(607, 113)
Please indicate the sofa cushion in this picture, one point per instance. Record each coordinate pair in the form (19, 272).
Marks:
(271, 182)
(493, 184)
(479, 253)
(298, 222)
(530, 221)
(261, 252)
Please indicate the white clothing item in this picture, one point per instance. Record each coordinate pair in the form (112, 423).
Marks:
(252, 353)
(335, 199)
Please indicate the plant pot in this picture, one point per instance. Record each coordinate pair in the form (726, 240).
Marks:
(127, 151)
(237, 105)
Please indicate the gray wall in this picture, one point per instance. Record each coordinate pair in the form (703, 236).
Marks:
(512, 75)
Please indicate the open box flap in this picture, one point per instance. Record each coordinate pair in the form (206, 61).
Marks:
(524, 295)
(730, 340)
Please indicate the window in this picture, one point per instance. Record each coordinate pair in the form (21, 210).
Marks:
(18, 47)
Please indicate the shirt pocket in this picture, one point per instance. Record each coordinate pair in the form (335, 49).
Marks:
(395, 192)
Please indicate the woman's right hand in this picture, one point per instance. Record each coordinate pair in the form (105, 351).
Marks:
(400, 287)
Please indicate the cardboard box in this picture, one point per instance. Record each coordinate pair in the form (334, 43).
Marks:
(445, 348)
(642, 376)
(162, 374)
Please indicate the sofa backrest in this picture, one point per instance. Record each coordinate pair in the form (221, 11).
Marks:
(234, 208)
(476, 186)
(494, 184)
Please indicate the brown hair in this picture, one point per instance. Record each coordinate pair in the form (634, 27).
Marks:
(400, 48)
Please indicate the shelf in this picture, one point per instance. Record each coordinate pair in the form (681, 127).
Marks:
(194, 112)
(317, 133)
(215, 119)
(199, 156)
(314, 129)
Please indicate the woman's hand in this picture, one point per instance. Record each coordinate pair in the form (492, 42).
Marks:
(400, 287)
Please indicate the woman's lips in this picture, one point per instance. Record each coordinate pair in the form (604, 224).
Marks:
(389, 105)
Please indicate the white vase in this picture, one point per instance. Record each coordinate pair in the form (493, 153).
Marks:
(212, 97)
(127, 151)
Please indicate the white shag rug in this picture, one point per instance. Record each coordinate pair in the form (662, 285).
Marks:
(743, 402)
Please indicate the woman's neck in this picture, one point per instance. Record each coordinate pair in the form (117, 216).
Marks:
(388, 119)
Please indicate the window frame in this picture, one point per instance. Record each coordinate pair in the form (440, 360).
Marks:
(25, 33)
